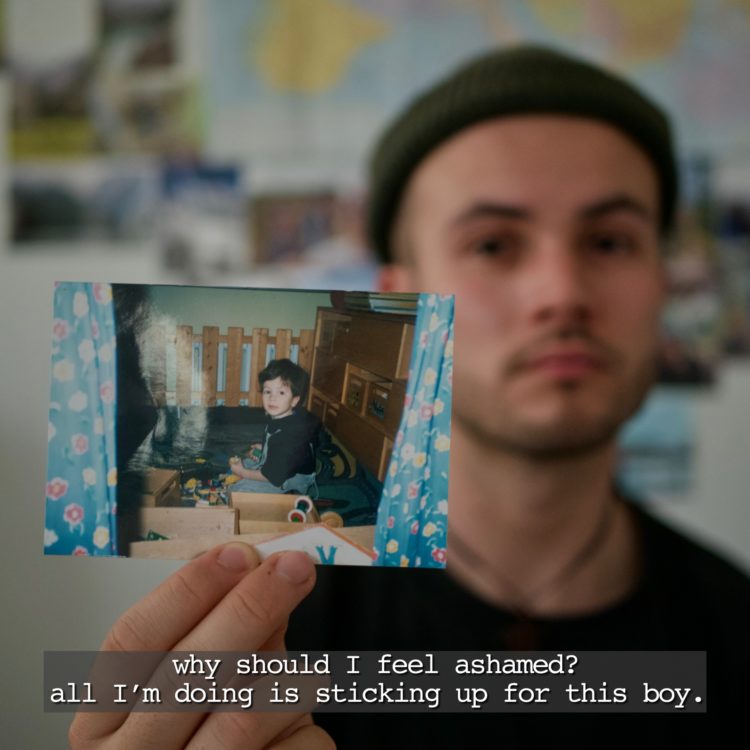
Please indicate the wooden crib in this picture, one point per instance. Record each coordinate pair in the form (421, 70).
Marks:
(213, 369)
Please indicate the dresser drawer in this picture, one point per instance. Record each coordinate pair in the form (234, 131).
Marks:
(331, 326)
(329, 374)
(363, 440)
(385, 404)
(317, 406)
(380, 346)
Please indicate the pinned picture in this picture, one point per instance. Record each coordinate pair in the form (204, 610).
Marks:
(285, 226)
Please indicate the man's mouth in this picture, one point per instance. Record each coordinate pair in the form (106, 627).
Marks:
(565, 355)
(565, 364)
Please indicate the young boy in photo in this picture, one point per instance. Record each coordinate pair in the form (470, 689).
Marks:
(285, 461)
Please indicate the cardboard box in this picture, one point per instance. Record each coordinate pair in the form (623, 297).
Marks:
(161, 488)
(267, 512)
(174, 523)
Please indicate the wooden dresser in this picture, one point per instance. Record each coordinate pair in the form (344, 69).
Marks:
(358, 379)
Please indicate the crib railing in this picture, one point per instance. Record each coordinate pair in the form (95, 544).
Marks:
(210, 368)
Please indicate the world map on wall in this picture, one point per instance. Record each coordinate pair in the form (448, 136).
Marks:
(333, 71)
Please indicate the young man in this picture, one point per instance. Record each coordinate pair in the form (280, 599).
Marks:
(285, 461)
(538, 189)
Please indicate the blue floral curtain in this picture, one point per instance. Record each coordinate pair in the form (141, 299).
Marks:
(81, 492)
(413, 514)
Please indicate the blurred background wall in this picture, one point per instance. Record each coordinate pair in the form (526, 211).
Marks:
(223, 142)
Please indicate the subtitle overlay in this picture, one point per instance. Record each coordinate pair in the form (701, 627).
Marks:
(393, 682)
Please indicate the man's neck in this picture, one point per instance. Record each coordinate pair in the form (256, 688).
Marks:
(542, 535)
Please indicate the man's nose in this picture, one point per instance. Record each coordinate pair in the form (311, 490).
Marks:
(559, 285)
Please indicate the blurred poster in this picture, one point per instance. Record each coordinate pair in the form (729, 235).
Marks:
(286, 225)
(50, 49)
(735, 264)
(2, 34)
(138, 35)
(203, 227)
(693, 317)
(691, 344)
(140, 97)
(98, 95)
(49, 113)
(83, 201)
(657, 446)
(733, 243)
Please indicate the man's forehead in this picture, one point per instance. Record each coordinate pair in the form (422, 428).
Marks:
(526, 162)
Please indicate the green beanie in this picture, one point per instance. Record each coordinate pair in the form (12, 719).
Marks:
(518, 80)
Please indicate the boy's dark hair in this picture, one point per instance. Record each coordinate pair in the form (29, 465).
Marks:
(293, 375)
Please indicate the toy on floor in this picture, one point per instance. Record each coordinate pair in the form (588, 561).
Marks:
(255, 453)
(301, 511)
(209, 493)
(332, 519)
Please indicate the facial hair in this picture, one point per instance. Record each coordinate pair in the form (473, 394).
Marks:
(500, 429)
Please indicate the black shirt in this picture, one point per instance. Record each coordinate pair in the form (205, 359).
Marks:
(292, 441)
(687, 599)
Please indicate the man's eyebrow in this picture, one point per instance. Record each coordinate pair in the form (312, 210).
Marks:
(485, 209)
(617, 203)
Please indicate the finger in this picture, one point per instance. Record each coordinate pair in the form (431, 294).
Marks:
(248, 730)
(309, 737)
(252, 613)
(164, 616)
(256, 607)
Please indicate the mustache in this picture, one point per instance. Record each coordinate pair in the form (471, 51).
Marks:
(601, 350)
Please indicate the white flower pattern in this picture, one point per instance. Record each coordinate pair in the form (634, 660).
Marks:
(415, 497)
(81, 479)
(86, 350)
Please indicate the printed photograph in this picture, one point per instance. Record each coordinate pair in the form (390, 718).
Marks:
(692, 322)
(138, 35)
(49, 110)
(181, 417)
(202, 226)
(657, 447)
(285, 226)
(110, 200)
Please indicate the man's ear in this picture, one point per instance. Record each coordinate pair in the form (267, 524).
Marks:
(295, 401)
(396, 277)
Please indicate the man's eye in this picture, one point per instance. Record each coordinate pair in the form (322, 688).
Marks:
(611, 244)
(492, 246)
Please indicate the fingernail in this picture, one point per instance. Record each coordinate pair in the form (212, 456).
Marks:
(236, 557)
(296, 567)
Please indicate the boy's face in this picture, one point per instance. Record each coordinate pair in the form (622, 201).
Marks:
(278, 399)
(546, 230)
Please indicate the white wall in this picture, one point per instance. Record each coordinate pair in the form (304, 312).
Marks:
(717, 509)
(201, 306)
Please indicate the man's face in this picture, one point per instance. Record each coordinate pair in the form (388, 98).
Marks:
(546, 229)
(278, 399)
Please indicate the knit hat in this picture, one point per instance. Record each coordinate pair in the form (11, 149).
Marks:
(519, 80)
